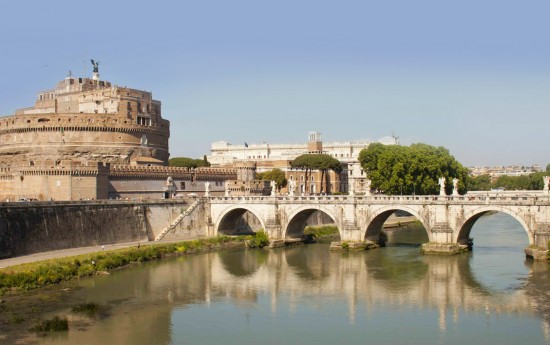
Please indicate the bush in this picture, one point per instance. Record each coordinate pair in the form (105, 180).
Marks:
(345, 245)
(258, 240)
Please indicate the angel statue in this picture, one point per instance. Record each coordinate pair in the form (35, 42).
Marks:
(96, 65)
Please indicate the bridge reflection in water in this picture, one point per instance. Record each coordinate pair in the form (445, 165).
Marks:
(175, 300)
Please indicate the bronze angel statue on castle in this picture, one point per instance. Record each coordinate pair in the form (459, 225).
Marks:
(96, 65)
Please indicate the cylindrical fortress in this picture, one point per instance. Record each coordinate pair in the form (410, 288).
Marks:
(85, 119)
(99, 137)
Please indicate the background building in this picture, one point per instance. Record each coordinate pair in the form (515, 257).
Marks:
(269, 156)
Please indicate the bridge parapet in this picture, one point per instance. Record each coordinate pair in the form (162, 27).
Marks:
(447, 219)
(517, 199)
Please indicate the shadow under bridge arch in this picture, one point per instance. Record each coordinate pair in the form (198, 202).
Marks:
(375, 225)
(239, 221)
(309, 216)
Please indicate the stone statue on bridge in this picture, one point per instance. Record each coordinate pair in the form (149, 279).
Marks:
(455, 187)
(291, 187)
(367, 187)
(273, 185)
(207, 189)
(351, 187)
(546, 180)
(441, 186)
(226, 189)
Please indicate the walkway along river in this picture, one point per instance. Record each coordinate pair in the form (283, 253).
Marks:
(308, 295)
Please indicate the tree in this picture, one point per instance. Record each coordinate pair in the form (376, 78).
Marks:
(276, 175)
(524, 182)
(316, 161)
(188, 162)
(413, 169)
(481, 182)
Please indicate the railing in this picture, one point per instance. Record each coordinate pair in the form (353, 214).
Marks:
(490, 198)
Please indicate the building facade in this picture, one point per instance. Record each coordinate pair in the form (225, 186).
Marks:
(279, 156)
(224, 153)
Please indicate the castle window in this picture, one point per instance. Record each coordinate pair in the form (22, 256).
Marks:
(129, 106)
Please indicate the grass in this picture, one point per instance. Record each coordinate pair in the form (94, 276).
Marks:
(322, 231)
(38, 274)
(89, 309)
(56, 324)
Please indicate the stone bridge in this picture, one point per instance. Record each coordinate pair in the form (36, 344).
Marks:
(448, 220)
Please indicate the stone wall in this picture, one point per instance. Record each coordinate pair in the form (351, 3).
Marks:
(192, 225)
(27, 228)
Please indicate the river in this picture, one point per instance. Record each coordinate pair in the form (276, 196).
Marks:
(309, 295)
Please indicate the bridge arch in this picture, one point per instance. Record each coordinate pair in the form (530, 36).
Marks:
(231, 221)
(375, 222)
(296, 220)
(464, 228)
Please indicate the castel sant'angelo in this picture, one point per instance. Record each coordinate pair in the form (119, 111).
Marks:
(90, 139)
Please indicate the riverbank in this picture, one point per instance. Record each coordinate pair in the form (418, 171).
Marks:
(38, 274)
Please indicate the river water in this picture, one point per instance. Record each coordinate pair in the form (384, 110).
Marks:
(308, 295)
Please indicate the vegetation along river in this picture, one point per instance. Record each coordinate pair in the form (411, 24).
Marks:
(308, 295)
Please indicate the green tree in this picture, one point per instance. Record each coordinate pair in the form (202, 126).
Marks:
(276, 175)
(185, 162)
(481, 182)
(317, 161)
(413, 169)
(524, 182)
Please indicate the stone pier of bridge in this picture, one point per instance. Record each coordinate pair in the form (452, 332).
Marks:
(448, 220)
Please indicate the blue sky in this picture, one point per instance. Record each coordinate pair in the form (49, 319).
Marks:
(473, 76)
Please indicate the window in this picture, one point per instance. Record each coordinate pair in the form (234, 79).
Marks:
(182, 185)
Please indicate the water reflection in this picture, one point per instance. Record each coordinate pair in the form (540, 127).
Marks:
(226, 295)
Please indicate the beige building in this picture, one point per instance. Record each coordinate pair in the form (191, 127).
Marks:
(224, 153)
(268, 157)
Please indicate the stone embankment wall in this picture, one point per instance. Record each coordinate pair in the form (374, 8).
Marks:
(192, 225)
(27, 228)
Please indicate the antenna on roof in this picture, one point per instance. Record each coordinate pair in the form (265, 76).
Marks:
(396, 138)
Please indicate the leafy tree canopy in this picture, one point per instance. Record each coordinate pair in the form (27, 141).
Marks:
(481, 182)
(185, 162)
(317, 161)
(276, 175)
(411, 169)
(532, 181)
